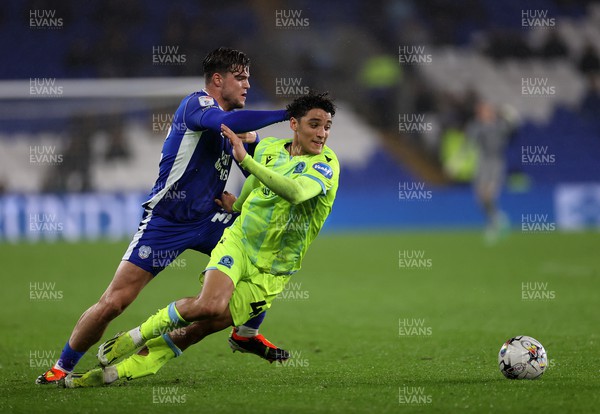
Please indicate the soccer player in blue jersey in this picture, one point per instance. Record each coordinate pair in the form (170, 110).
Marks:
(284, 205)
(183, 210)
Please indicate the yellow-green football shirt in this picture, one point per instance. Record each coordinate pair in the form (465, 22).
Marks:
(275, 232)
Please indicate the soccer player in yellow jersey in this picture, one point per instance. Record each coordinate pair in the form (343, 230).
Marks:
(283, 204)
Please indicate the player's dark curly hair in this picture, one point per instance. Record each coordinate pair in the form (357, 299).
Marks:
(223, 60)
(301, 105)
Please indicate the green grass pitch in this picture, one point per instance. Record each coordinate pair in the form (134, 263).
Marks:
(369, 333)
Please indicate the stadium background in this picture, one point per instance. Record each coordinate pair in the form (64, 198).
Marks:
(396, 119)
(88, 88)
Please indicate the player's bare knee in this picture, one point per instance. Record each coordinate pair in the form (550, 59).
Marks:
(110, 308)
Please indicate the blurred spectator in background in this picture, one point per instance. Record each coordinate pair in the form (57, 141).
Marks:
(590, 105)
(489, 131)
(380, 78)
(458, 155)
(115, 58)
(554, 47)
(589, 63)
(73, 174)
(80, 59)
(503, 43)
(117, 148)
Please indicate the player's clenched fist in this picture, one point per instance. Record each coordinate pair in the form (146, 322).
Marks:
(226, 201)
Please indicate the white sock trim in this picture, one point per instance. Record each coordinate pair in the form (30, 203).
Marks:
(110, 374)
(136, 335)
(246, 331)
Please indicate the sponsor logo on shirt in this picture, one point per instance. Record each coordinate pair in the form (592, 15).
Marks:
(226, 261)
(206, 101)
(324, 169)
(299, 167)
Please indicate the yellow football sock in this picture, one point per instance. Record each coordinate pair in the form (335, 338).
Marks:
(163, 321)
(160, 351)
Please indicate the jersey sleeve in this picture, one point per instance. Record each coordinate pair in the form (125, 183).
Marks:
(195, 108)
(324, 169)
(202, 112)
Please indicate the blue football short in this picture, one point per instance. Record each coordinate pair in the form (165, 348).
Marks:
(158, 241)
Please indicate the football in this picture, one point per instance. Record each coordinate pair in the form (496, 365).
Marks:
(522, 357)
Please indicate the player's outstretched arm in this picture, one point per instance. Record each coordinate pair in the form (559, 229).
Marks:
(239, 121)
(294, 191)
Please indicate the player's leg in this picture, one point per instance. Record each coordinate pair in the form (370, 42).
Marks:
(127, 283)
(138, 266)
(247, 299)
(253, 297)
(153, 356)
(245, 337)
(488, 192)
(210, 304)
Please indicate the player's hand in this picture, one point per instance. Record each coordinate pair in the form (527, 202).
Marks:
(248, 137)
(226, 201)
(239, 152)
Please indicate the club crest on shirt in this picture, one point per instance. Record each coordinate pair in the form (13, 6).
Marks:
(299, 167)
(226, 261)
(144, 252)
(206, 101)
(324, 169)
